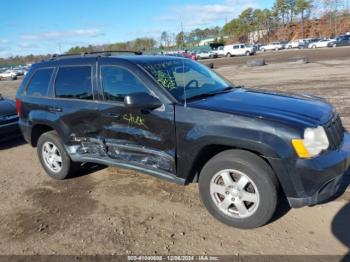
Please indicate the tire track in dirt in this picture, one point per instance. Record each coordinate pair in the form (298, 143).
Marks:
(55, 205)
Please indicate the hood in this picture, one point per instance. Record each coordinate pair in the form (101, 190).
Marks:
(7, 107)
(289, 108)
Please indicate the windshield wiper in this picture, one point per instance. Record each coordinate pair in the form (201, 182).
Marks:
(216, 92)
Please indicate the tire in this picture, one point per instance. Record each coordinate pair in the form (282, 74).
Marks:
(256, 62)
(228, 55)
(276, 49)
(247, 53)
(263, 50)
(334, 45)
(263, 185)
(67, 166)
(313, 47)
(210, 65)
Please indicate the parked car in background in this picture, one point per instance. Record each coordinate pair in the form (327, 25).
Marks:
(343, 40)
(206, 55)
(8, 119)
(239, 49)
(295, 44)
(220, 51)
(321, 43)
(8, 75)
(257, 46)
(284, 44)
(272, 46)
(189, 55)
(309, 41)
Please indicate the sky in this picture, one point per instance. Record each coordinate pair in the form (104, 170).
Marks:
(53, 26)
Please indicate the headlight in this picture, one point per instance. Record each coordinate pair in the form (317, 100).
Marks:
(315, 140)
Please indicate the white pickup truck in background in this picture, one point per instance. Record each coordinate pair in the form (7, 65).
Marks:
(239, 49)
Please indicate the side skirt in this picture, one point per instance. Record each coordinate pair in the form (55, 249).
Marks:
(153, 172)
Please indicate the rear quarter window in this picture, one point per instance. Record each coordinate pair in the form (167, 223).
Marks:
(74, 82)
(39, 83)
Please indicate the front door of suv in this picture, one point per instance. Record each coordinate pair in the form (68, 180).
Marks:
(141, 138)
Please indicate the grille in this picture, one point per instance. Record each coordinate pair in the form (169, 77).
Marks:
(335, 132)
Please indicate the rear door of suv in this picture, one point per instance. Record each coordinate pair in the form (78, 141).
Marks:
(142, 138)
(75, 99)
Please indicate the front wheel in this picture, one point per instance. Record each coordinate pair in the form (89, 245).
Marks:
(53, 157)
(247, 53)
(239, 189)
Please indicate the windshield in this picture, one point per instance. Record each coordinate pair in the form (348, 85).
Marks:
(179, 75)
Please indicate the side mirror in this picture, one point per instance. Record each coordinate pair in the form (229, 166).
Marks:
(142, 101)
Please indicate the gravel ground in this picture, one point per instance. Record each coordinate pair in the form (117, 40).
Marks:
(117, 211)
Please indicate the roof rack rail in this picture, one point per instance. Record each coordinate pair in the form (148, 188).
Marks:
(107, 53)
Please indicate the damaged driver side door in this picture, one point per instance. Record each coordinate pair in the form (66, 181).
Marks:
(138, 137)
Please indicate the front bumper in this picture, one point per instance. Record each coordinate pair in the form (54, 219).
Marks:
(307, 182)
(325, 193)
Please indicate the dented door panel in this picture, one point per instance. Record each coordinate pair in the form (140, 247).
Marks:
(135, 136)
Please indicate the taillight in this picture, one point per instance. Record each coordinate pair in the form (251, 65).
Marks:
(19, 107)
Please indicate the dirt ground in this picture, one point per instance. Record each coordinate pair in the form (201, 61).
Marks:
(117, 211)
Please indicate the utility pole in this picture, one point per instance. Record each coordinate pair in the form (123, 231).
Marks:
(183, 36)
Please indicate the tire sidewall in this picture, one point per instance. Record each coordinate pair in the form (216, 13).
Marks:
(260, 177)
(66, 162)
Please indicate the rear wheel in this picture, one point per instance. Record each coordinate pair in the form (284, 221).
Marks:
(263, 50)
(334, 45)
(239, 189)
(53, 157)
(228, 55)
(247, 53)
(313, 46)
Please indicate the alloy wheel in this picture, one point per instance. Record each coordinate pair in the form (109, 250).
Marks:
(52, 157)
(234, 193)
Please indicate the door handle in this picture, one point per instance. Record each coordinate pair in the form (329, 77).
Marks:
(55, 109)
(114, 115)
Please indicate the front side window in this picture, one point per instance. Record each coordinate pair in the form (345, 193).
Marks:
(74, 82)
(39, 83)
(118, 82)
(176, 76)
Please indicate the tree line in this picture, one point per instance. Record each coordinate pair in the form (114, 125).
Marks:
(286, 20)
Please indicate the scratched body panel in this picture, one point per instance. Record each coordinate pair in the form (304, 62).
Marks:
(134, 135)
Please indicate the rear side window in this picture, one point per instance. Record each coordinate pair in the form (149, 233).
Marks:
(74, 82)
(118, 82)
(39, 83)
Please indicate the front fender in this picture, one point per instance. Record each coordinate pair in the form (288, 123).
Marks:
(198, 130)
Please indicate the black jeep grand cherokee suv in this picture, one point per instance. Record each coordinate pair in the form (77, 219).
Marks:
(178, 120)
